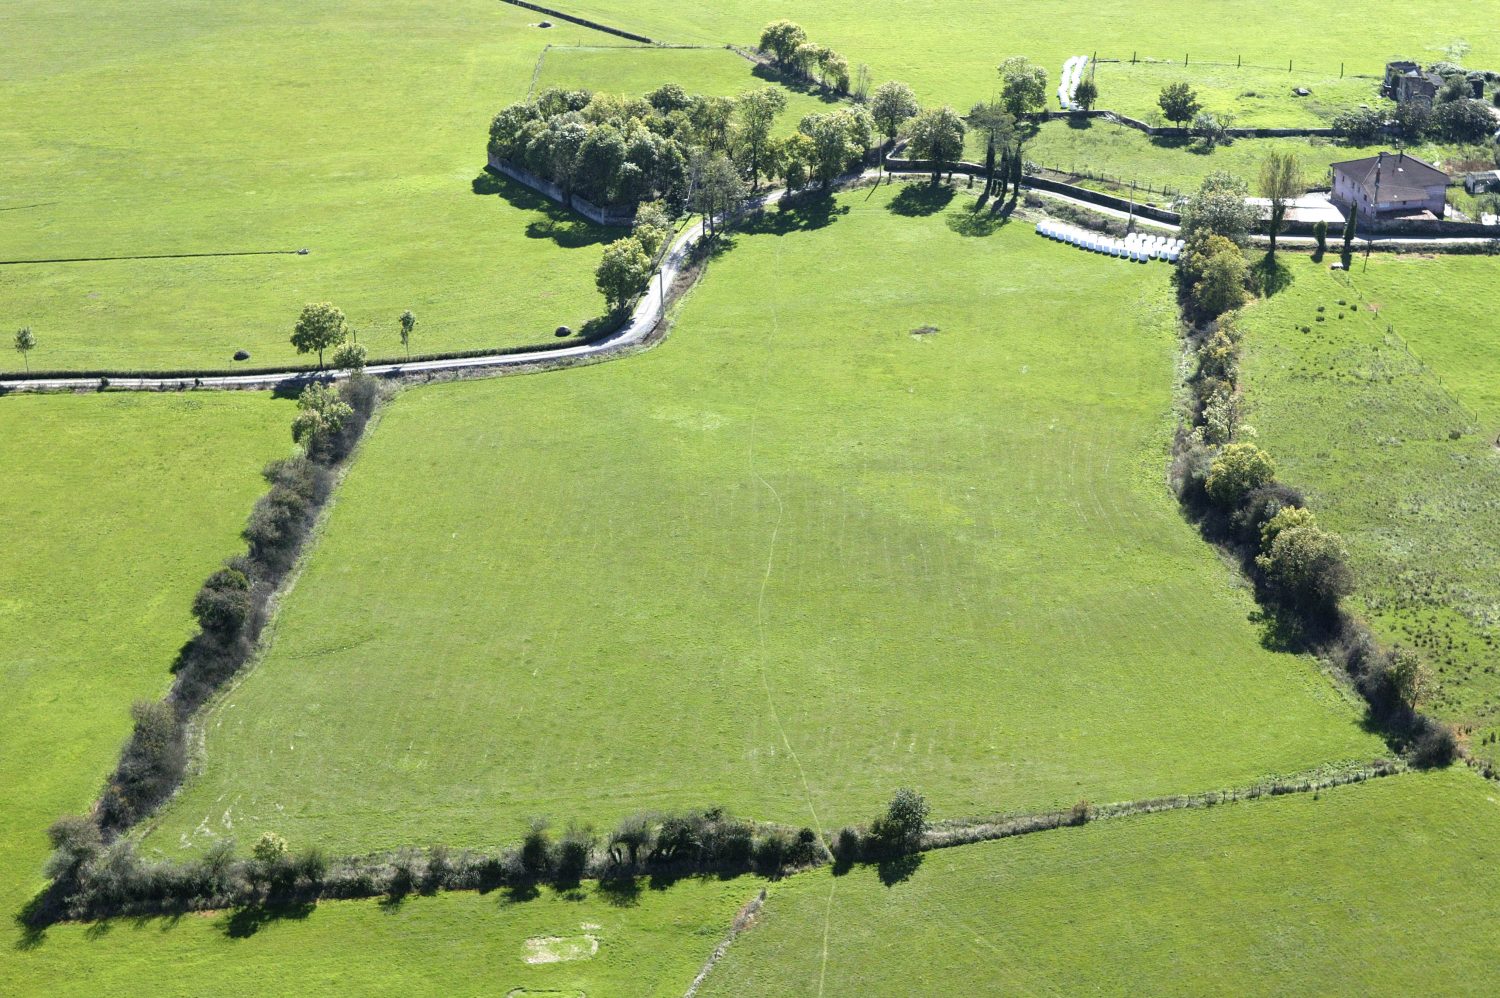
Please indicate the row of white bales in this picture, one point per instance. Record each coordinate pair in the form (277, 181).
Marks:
(1136, 246)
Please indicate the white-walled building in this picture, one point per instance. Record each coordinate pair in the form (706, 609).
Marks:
(1390, 185)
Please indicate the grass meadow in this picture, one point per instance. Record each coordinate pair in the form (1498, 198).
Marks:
(949, 50)
(1255, 96)
(1378, 888)
(118, 506)
(648, 944)
(181, 127)
(1118, 155)
(1386, 411)
(791, 559)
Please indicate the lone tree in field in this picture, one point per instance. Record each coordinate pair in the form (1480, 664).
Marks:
(623, 272)
(891, 105)
(1280, 183)
(320, 326)
(408, 323)
(25, 343)
(1179, 102)
(756, 112)
(1023, 86)
(781, 39)
(938, 135)
(1086, 94)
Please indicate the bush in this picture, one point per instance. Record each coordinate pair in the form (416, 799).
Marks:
(1463, 121)
(899, 830)
(223, 604)
(75, 841)
(536, 851)
(1306, 566)
(150, 767)
(1259, 506)
(1237, 470)
(1285, 519)
(1433, 745)
(573, 855)
(772, 850)
(846, 845)
(1359, 127)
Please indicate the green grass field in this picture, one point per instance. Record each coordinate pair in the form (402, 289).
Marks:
(856, 558)
(195, 127)
(949, 50)
(1380, 888)
(115, 509)
(628, 69)
(1118, 155)
(1362, 412)
(1255, 96)
(649, 944)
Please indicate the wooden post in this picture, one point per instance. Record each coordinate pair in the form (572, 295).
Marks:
(1341, 71)
(1184, 59)
(1237, 61)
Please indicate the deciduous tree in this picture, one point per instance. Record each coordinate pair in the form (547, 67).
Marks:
(1179, 102)
(623, 272)
(320, 326)
(408, 323)
(1023, 86)
(891, 105)
(938, 135)
(25, 342)
(755, 112)
(1281, 183)
(781, 38)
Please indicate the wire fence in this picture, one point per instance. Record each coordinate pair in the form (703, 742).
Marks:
(1188, 61)
(1164, 191)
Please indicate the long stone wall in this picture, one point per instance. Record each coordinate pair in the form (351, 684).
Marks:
(584, 207)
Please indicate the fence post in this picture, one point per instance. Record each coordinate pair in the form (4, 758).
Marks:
(1289, 65)
(1184, 59)
(1237, 61)
(1341, 71)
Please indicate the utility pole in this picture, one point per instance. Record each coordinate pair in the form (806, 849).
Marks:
(1374, 208)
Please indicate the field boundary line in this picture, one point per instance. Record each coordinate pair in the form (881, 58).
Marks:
(743, 919)
(583, 21)
(152, 256)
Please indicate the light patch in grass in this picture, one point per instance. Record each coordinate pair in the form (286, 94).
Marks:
(558, 949)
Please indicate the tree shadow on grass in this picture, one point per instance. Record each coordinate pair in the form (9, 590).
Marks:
(245, 922)
(621, 892)
(800, 213)
(978, 223)
(562, 226)
(920, 200)
(1271, 275)
(773, 75)
(898, 868)
(1080, 124)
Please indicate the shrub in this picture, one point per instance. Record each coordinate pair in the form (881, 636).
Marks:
(630, 839)
(1306, 567)
(899, 830)
(1082, 813)
(1216, 357)
(223, 604)
(573, 854)
(1285, 518)
(846, 845)
(1433, 745)
(1359, 127)
(1463, 121)
(536, 850)
(1408, 676)
(1259, 506)
(772, 850)
(150, 767)
(1238, 469)
(75, 841)
(269, 848)
(1320, 233)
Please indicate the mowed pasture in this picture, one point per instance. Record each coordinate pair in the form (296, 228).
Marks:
(1256, 96)
(179, 127)
(115, 508)
(949, 50)
(801, 554)
(621, 945)
(639, 69)
(1386, 411)
(1385, 887)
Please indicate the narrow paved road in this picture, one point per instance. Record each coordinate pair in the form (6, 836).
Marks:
(643, 319)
